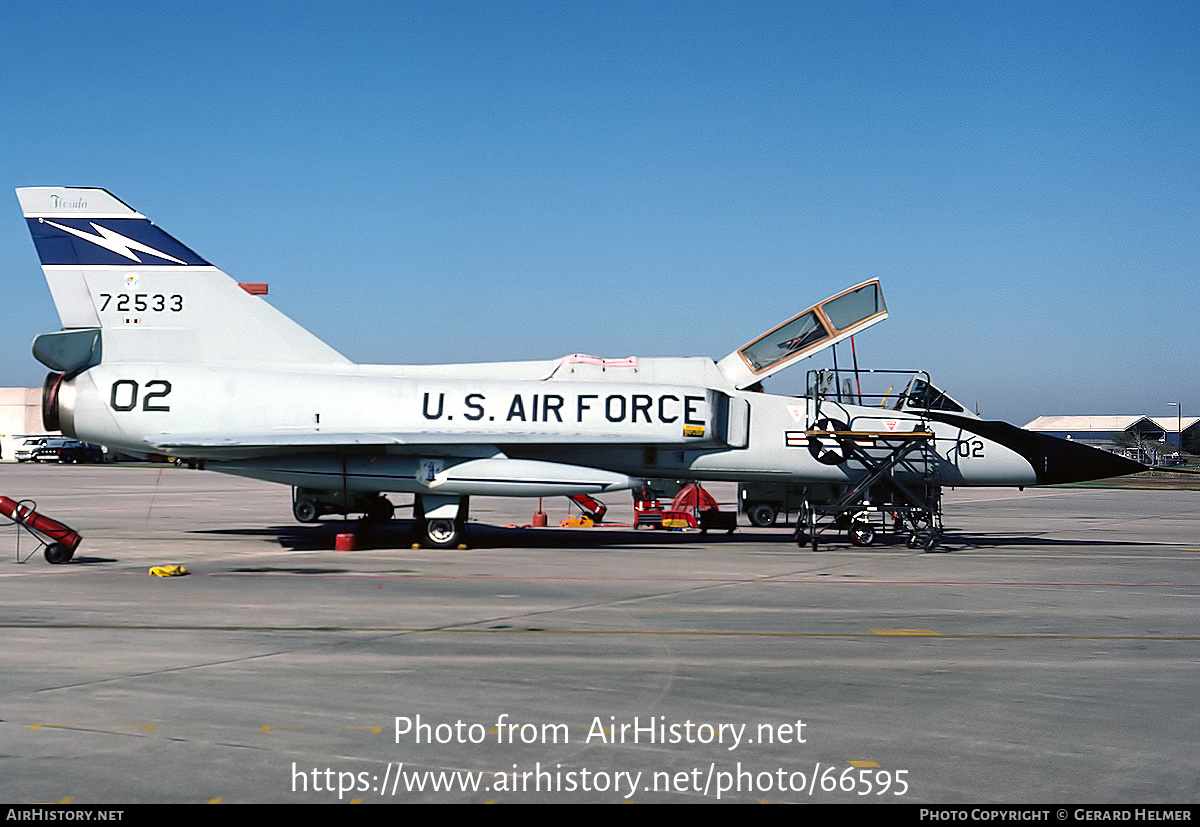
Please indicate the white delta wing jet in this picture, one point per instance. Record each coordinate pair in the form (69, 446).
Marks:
(162, 352)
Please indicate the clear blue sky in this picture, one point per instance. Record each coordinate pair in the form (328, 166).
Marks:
(441, 181)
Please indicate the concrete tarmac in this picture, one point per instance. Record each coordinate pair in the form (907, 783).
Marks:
(1050, 655)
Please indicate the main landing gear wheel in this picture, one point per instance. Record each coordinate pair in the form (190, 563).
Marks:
(762, 515)
(447, 528)
(57, 553)
(441, 533)
(305, 511)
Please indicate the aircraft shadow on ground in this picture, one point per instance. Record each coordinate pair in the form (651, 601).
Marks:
(398, 535)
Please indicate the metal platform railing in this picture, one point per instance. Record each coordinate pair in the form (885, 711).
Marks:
(891, 471)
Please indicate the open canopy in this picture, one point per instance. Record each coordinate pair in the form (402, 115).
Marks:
(806, 333)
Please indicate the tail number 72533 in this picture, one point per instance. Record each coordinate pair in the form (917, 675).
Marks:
(140, 302)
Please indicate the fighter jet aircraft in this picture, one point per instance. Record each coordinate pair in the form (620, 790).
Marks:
(162, 352)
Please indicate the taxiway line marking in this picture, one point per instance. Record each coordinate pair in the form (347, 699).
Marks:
(764, 579)
(924, 634)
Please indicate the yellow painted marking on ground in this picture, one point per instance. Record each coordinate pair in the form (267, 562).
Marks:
(215, 800)
(35, 727)
(143, 727)
(270, 727)
(375, 730)
(356, 801)
(862, 764)
(906, 632)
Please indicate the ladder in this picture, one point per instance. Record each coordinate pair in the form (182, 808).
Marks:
(896, 489)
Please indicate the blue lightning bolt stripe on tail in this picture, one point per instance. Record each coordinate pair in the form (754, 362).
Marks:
(107, 241)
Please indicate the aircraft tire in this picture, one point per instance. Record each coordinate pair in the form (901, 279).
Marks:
(931, 542)
(862, 535)
(762, 515)
(441, 533)
(57, 553)
(305, 511)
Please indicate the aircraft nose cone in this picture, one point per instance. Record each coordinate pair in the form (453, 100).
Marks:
(1053, 460)
(1061, 460)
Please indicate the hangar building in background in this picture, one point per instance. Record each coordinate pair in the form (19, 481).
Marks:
(20, 415)
(1151, 437)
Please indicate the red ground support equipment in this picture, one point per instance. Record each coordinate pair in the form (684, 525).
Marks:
(693, 498)
(702, 510)
(693, 507)
(59, 540)
(591, 507)
(647, 509)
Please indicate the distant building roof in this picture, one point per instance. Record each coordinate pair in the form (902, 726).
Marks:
(1083, 424)
(1107, 424)
(1171, 423)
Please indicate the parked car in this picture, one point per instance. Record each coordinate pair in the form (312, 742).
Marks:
(25, 452)
(30, 447)
(68, 450)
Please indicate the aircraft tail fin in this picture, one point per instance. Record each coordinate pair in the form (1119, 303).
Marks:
(152, 298)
